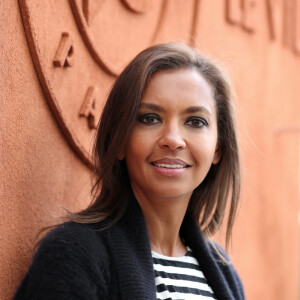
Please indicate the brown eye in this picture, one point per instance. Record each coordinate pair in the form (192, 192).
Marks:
(196, 122)
(149, 119)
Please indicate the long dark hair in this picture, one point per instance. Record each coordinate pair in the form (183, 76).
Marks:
(220, 188)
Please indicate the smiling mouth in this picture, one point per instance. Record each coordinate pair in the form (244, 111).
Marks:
(169, 166)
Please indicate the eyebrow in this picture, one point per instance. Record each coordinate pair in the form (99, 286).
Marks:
(194, 109)
(152, 106)
(189, 110)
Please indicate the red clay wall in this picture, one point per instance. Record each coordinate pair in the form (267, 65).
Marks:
(59, 58)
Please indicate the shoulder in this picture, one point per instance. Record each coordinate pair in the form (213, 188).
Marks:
(75, 243)
(73, 259)
(70, 238)
(72, 233)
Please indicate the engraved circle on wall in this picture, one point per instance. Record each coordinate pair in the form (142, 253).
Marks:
(78, 47)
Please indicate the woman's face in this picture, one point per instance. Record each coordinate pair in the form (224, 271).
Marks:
(174, 140)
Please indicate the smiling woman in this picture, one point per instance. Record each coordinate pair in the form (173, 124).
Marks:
(174, 141)
(167, 161)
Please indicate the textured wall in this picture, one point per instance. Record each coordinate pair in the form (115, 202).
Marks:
(39, 171)
(58, 60)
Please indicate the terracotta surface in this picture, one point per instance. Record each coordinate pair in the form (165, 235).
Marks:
(58, 61)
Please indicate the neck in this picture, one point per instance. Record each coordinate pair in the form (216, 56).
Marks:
(163, 217)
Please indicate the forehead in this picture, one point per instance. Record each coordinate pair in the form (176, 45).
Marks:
(185, 87)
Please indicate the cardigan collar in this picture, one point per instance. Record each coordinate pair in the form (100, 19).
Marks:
(133, 260)
(207, 260)
(132, 255)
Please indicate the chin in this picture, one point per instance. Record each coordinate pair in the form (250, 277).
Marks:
(173, 193)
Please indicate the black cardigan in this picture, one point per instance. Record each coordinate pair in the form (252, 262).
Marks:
(78, 261)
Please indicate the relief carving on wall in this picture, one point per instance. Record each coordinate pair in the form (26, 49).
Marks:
(78, 48)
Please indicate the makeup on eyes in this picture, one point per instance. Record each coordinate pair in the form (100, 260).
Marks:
(153, 118)
(202, 121)
(148, 118)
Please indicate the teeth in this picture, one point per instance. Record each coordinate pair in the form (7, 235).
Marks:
(170, 166)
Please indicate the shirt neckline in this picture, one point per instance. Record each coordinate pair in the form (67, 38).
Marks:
(158, 255)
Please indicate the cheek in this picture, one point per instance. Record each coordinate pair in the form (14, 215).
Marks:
(204, 152)
(136, 147)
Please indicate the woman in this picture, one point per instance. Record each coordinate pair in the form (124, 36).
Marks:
(168, 165)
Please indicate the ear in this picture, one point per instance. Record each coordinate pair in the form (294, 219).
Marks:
(218, 154)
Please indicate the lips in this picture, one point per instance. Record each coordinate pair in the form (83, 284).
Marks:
(169, 163)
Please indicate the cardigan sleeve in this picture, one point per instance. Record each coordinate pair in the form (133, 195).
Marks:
(71, 263)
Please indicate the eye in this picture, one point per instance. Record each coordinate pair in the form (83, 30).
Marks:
(149, 119)
(196, 122)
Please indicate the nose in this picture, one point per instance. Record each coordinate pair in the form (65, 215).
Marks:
(172, 137)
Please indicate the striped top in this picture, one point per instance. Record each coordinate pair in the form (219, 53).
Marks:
(180, 278)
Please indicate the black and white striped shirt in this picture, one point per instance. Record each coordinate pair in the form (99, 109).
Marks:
(180, 278)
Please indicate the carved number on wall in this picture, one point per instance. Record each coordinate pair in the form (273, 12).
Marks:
(90, 108)
(241, 13)
(64, 53)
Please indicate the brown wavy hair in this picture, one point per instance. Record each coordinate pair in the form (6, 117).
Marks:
(220, 188)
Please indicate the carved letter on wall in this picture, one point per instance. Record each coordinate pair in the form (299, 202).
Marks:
(297, 28)
(64, 53)
(234, 11)
(90, 108)
(273, 10)
(241, 13)
(288, 23)
(249, 13)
